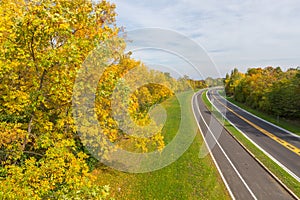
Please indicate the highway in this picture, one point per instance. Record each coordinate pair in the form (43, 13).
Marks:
(280, 145)
(244, 177)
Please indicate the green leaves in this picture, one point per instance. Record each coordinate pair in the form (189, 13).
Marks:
(270, 90)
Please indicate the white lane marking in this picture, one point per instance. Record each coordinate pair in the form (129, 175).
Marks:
(259, 147)
(226, 156)
(211, 154)
(274, 125)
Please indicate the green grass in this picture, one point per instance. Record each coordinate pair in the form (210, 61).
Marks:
(291, 125)
(287, 179)
(190, 177)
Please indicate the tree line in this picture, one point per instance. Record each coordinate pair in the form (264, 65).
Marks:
(268, 89)
(42, 47)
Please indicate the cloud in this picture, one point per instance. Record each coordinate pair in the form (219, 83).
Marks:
(234, 33)
(155, 46)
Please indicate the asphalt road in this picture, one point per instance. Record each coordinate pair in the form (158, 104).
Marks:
(244, 177)
(281, 145)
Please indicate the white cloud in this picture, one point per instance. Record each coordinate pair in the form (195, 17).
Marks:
(235, 33)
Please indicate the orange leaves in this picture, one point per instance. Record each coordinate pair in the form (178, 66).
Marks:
(11, 134)
(11, 140)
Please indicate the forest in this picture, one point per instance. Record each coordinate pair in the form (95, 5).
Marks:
(43, 45)
(269, 89)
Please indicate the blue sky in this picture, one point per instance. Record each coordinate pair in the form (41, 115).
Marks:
(234, 33)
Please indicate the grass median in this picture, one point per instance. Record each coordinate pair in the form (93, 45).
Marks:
(190, 177)
(286, 178)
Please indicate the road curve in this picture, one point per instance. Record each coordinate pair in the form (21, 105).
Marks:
(278, 143)
(244, 177)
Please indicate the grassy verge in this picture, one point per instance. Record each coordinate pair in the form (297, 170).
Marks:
(293, 126)
(188, 178)
(287, 179)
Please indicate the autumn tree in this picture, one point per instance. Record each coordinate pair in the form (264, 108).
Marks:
(284, 96)
(232, 81)
(43, 44)
(126, 93)
(269, 89)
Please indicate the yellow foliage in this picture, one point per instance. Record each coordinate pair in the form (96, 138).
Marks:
(59, 174)
(42, 45)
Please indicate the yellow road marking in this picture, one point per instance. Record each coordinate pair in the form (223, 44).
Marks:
(280, 141)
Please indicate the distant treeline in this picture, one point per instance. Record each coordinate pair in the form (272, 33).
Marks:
(270, 90)
(200, 84)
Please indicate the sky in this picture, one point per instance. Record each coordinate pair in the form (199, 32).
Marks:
(232, 33)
